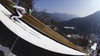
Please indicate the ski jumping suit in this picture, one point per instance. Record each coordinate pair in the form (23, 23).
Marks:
(19, 11)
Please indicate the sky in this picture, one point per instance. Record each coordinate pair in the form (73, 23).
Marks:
(80, 8)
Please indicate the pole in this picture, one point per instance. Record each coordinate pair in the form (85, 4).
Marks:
(14, 43)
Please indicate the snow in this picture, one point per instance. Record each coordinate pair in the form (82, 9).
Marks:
(94, 46)
(34, 37)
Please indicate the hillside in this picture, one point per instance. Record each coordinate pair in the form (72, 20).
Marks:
(62, 16)
(89, 24)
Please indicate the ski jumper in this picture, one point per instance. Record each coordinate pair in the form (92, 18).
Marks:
(19, 11)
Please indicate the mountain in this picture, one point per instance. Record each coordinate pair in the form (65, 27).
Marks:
(61, 16)
(57, 16)
(88, 24)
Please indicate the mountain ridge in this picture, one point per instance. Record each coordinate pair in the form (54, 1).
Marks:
(88, 24)
(62, 16)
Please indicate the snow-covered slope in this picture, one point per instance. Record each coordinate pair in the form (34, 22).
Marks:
(34, 37)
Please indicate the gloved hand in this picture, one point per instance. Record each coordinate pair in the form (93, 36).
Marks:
(29, 11)
(11, 5)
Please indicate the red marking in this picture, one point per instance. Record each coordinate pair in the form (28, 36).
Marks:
(18, 9)
(23, 13)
